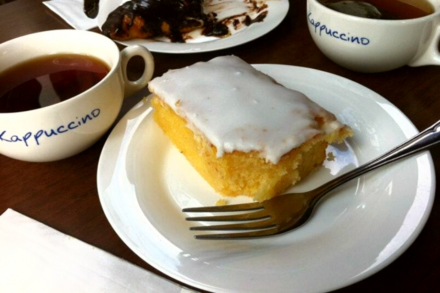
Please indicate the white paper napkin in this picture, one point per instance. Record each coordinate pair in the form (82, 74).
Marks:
(72, 13)
(37, 258)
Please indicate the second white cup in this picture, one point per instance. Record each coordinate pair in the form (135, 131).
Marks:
(372, 45)
(68, 127)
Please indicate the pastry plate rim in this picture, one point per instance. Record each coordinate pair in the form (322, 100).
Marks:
(249, 34)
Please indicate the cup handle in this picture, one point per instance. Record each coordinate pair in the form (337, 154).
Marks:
(432, 55)
(132, 87)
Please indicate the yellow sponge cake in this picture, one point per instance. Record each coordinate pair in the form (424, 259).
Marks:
(241, 130)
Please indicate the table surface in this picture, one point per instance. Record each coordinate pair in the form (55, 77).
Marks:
(63, 194)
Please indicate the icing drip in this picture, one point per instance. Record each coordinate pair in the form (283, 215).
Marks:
(238, 108)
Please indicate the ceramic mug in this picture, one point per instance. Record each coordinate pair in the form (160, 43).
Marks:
(64, 129)
(372, 45)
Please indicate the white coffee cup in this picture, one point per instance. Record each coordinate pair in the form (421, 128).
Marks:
(64, 129)
(371, 45)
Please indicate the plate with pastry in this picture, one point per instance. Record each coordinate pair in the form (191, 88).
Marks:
(262, 131)
(188, 26)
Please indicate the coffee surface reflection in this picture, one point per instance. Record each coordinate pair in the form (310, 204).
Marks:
(48, 80)
(382, 9)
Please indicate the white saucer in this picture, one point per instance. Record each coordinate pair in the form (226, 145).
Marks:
(277, 11)
(144, 182)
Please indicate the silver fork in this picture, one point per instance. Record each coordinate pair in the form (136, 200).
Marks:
(289, 211)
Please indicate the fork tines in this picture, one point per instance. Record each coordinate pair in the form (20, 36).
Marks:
(256, 223)
(238, 236)
(226, 208)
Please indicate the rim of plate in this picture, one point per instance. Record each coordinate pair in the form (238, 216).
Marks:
(249, 34)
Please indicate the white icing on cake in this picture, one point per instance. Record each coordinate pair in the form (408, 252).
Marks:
(238, 108)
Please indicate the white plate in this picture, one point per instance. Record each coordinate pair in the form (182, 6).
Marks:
(277, 11)
(144, 182)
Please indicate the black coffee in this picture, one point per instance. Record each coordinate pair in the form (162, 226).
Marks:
(382, 9)
(48, 80)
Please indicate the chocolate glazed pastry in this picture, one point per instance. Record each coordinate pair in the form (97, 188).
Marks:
(171, 18)
(152, 18)
(91, 8)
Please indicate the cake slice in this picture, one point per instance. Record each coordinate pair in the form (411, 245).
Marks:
(241, 130)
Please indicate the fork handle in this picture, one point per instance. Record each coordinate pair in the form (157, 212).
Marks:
(423, 141)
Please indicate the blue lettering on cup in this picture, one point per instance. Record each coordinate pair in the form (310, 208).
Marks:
(345, 37)
(48, 133)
